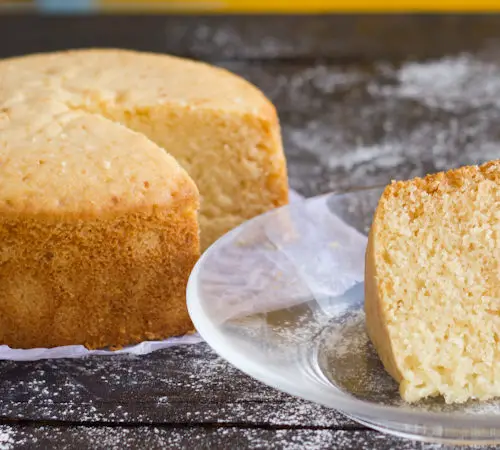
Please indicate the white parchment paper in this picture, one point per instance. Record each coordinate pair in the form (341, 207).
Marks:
(79, 351)
(285, 258)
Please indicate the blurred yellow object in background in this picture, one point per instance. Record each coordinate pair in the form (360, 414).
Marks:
(251, 6)
(303, 6)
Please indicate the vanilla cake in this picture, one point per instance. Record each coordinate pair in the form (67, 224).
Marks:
(98, 207)
(219, 127)
(432, 288)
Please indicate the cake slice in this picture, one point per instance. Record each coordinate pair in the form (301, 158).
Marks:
(432, 285)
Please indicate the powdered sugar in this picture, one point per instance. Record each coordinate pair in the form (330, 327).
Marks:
(390, 122)
(451, 83)
(349, 360)
(6, 437)
(252, 438)
(232, 42)
(320, 79)
(181, 385)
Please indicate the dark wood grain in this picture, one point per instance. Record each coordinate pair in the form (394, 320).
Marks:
(200, 438)
(342, 130)
(181, 385)
(343, 38)
(352, 115)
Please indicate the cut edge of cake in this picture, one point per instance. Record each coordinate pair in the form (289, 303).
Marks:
(470, 195)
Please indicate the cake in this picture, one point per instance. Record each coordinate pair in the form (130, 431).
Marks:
(105, 159)
(219, 127)
(432, 287)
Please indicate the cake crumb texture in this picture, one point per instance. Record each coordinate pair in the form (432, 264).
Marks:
(432, 290)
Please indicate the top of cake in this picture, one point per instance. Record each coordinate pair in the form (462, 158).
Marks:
(54, 159)
(130, 79)
(58, 153)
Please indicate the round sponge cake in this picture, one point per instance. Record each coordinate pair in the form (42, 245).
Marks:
(219, 127)
(98, 208)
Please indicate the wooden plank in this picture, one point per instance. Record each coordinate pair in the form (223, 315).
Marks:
(187, 384)
(194, 438)
(340, 37)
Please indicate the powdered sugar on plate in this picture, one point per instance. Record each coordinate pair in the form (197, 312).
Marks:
(348, 359)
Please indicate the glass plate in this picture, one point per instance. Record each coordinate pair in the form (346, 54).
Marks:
(281, 298)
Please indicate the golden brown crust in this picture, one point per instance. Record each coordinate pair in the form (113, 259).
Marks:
(101, 282)
(277, 177)
(376, 326)
(131, 79)
(443, 181)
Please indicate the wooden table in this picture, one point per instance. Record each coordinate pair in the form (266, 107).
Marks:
(355, 111)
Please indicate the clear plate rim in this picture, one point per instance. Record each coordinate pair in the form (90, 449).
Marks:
(348, 404)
